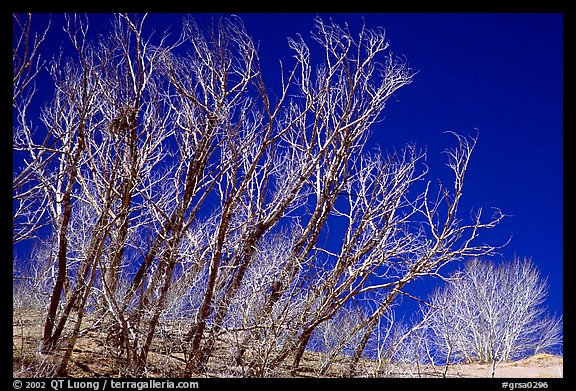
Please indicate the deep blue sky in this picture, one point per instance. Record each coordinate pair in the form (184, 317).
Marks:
(498, 73)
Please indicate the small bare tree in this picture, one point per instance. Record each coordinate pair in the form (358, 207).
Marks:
(490, 313)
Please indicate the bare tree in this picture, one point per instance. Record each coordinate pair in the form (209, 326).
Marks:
(336, 337)
(179, 188)
(71, 116)
(490, 313)
(27, 63)
(550, 333)
(105, 128)
(402, 348)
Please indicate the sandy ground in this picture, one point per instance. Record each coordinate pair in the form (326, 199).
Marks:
(539, 366)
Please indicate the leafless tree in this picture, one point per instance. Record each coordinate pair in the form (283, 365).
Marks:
(490, 313)
(180, 189)
(550, 334)
(27, 63)
(336, 337)
(104, 132)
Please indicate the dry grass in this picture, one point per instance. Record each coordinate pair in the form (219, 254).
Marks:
(95, 356)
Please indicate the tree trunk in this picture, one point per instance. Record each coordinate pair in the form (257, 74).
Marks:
(62, 272)
(47, 343)
(361, 346)
(62, 369)
(301, 347)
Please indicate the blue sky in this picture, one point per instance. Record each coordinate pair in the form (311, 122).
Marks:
(498, 73)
